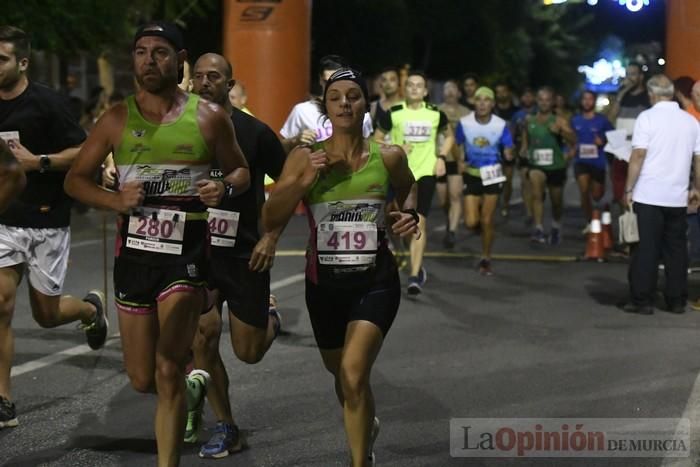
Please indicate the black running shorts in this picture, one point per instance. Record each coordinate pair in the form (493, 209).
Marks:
(246, 292)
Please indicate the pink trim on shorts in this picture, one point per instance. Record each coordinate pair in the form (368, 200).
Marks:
(135, 310)
(181, 287)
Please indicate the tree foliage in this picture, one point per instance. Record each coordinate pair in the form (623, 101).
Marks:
(519, 41)
(65, 27)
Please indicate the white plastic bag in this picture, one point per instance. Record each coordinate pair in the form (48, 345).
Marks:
(629, 232)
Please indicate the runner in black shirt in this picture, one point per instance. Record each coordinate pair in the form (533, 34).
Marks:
(36, 123)
(240, 262)
(505, 108)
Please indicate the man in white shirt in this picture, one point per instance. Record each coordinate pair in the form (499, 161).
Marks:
(665, 140)
(305, 124)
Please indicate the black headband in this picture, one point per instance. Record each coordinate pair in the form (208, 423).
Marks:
(164, 29)
(347, 74)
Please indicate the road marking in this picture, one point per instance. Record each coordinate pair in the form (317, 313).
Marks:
(56, 357)
(449, 254)
(85, 243)
(112, 340)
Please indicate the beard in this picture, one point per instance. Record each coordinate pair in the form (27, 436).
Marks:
(156, 82)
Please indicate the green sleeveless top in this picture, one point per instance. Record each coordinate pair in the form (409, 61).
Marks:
(419, 128)
(346, 218)
(544, 147)
(169, 158)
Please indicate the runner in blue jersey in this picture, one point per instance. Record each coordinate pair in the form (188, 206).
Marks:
(590, 162)
(483, 136)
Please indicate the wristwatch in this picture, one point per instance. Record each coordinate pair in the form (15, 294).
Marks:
(44, 163)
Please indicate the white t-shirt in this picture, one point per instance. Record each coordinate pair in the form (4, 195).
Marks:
(306, 115)
(671, 137)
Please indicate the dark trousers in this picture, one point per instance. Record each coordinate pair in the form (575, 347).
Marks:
(662, 235)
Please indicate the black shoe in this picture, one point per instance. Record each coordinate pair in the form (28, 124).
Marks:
(96, 332)
(8, 414)
(449, 240)
(677, 309)
(414, 286)
(637, 309)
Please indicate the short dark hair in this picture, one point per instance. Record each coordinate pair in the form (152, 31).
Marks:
(331, 62)
(503, 83)
(527, 90)
(684, 85)
(470, 75)
(548, 89)
(18, 38)
(592, 93)
(390, 69)
(420, 73)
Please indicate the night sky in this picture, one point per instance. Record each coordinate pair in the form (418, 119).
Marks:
(648, 24)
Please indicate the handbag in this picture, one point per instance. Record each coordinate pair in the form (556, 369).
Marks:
(628, 232)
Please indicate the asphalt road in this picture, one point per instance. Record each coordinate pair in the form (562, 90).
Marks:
(539, 339)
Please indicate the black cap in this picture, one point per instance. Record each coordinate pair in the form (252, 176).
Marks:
(166, 30)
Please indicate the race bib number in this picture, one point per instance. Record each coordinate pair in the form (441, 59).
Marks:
(7, 136)
(492, 174)
(543, 157)
(157, 231)
(223, 227)
(347, 243)
(588, 151)
(417, 132)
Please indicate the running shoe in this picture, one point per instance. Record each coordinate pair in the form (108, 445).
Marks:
(373, 437)
(197, 382)
(449, 240)
(8, 413)
(96, 331)
(414, 287)
(504, 212)
(538, 236)
(272, 311)
(485, 267)
(555, 237)
(226, 440)
(422, 276)
(586, 229)
(695, 305)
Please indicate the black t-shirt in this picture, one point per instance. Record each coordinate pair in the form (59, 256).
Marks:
(631, 105)
(506, 114)
(45, 124)
(265, 155)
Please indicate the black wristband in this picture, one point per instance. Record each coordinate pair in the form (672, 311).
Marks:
(413, 214)
(444, 158)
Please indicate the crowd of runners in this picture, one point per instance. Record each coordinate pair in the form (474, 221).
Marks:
(183, 165)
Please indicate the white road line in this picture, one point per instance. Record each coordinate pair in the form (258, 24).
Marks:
(286, 281)
(55, 358)
(85, 243)
(84, 348)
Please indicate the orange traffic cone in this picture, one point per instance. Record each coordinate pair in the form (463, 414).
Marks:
(594, 241)
(607, 229)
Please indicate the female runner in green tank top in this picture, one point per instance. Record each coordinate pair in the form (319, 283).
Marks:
(352, 284)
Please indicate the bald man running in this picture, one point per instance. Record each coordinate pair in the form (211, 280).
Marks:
(240, 263)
